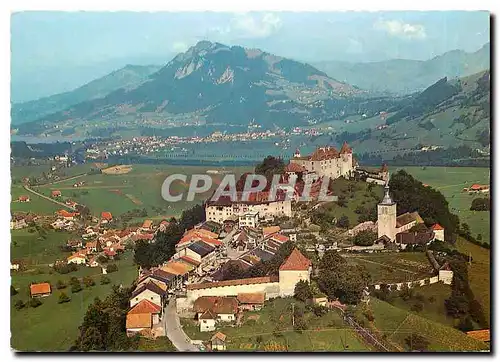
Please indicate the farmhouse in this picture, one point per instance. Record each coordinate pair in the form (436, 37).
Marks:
(106, 217)
(40, 290)
(24, 198)
(139, 323)
(55, 193)
(149, 291)
(66, 215)
(77, 258)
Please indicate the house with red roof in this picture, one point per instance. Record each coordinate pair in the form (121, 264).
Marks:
(55, 193)
(66, 215)
(24, 198)
(40, 290)
(106, 217)
(295, 268)
(438, 232)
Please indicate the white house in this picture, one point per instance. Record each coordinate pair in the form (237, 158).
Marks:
(77, 258)
(249, 219)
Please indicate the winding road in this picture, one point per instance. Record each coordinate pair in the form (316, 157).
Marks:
(47, 198)
(172, 325)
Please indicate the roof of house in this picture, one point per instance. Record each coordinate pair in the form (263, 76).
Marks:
(421, 237)
(251, 298)
(481, 335)
(189, 260)
(149, 286)
(40, 288)
(145, 306)
(176, 268)
(201, 248)
(147, 224)
(270, 230)
(208, 314)
(139, 320)
(294, 167)
(407, 218)
(218, 305)
(56, 192)
(262, 254)
(219, 335)
(296, 261)
(479, 187)
(279, 238)
(65, 213)
(437, 227)
(106, 215)
(24, 197)
(225, 283)
(77, 255)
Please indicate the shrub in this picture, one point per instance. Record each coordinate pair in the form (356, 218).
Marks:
(35, 302)
(417, 307)
(112, 268)
(63, 298)
(19, 304)
(105, 280)
(13, 291)
(88, 282)
(75, 285)
(60, 284)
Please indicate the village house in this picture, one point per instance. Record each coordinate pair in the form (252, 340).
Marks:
(251, 301)
(77, 258)
(74, 244)
(66, 215)
(211, 310)
(438, 232)
(18, 222)
(55, 193)
(40, 290)
(250, 219)
(149, 291)
(93, 262)
(146, 306)
(139, 323)
(476, 188)
(24, 198)
(106, 217)
(147, 225)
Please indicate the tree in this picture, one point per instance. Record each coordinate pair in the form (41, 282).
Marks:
(303, 291)
(63, 298)
(270, 166)
(88, 281)
(343, 222)
(13, 290)
(480, 204)
(346, 283)
(75, 285)
(19, 304)
(331, 260)
(417, 307)
(365, 238)
(416, 342)
(112, 268)
(35, 302)
(105, 280)
(60, 284)
(341, 201)
(465, 324)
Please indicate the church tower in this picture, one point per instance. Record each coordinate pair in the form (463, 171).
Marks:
(386, 212)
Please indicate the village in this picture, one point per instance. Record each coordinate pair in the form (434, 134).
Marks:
(198, 283)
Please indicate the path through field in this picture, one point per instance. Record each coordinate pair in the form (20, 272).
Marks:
(48, 198)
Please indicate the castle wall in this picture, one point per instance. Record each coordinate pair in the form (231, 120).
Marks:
(289, 278)
(271, 289)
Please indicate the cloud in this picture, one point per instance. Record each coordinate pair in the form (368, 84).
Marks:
(401, 29)
(249, 26)
(179, 47)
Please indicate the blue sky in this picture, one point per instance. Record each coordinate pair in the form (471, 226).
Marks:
(58, 51)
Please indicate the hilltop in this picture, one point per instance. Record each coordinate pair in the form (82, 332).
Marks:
(402, 76)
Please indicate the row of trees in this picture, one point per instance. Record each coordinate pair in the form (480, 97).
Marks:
(152, 254)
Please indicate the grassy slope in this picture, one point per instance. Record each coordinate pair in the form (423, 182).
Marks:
(450, 181)
(397, 324)
(479, 273)
(53, 326)
(326, 333)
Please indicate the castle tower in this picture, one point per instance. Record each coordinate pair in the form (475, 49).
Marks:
(386, 212)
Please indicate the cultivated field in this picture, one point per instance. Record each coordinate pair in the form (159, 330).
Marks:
(450, 181)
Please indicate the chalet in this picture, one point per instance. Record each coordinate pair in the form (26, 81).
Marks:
(40, 290)
(218, 342)
(24, 198)
(77, 258)
(251, 301)
(56, 193)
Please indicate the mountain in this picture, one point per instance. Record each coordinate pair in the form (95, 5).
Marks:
(127, 77)
(215, 84)
(401, 76)
(449, 113)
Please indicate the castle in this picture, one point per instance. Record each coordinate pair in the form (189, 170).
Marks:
(327, 161)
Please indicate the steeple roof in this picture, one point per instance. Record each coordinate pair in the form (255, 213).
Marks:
(387, 197)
